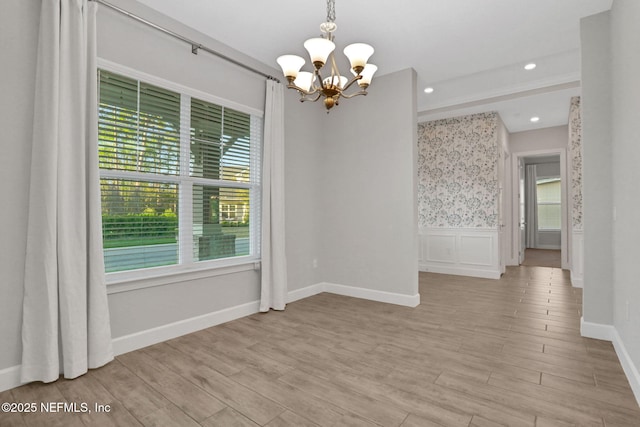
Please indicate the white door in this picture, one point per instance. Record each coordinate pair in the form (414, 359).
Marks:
(521, 208)
(503, 210)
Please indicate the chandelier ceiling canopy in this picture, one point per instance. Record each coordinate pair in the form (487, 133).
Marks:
(311, 85)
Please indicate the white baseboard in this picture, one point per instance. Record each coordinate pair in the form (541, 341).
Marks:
(461, 271)
(576, 281)
(162, 333)
(373, 295)
(306, 292)
(549, 247)
(630, 369)
(610, 333)
(10, 378)
(596, 331)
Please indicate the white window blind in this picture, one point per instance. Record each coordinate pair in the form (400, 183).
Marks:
(179, 177)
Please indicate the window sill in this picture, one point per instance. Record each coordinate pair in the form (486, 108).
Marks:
(147, 278)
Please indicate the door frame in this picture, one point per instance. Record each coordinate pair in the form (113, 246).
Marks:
(565, 236)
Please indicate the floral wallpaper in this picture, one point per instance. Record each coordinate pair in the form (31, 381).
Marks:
(575, 155)
(457, 172)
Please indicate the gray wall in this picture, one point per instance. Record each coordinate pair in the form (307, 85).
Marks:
(18, 45)
(625, 127)
(611, 125)
(597, 169)
(367, 192)
(304, 130)
(540, 139)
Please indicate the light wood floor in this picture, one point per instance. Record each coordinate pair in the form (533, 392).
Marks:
(474, 353)
(542, 258)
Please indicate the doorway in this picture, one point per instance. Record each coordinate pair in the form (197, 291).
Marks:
(540, 234)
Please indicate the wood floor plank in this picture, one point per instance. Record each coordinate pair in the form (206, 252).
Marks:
(191, 399)
(291, 419)
(244, 400)
(9, 418)
(343, 397)
(137, 397)
(495, 392)
(606, 398)
(414, 420)
(312, 407)
(111, 411)
(40, 393)
(170, 415)
(410, 402)
(228, 417)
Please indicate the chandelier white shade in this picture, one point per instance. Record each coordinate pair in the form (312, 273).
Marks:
(290, 65)
(311, 85)
(304, 80)
(358, 54)
(367, 75)
(319, 50)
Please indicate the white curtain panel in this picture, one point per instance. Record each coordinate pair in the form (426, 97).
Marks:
(65, 324)
(531, 211)
(274, 264)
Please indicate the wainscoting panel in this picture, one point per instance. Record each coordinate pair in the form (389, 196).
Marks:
(441, 248)
(476, 250)
(461, 251)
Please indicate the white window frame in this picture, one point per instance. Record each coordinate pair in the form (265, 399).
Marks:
(559, 204)
(187, 268)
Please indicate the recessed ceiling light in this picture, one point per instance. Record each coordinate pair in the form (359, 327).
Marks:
(530, 66)
(428, 90)
(535, 119)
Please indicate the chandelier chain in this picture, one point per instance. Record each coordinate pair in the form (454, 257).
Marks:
(331, 10)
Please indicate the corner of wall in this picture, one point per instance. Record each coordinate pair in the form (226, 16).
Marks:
(610, 333)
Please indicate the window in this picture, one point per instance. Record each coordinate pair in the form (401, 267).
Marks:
(549, 202)
(179, 177)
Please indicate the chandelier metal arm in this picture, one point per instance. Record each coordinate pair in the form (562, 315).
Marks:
(353, 80)
(362, 92)
(303, 91)
(304, 98)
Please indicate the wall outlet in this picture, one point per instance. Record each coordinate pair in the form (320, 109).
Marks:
(315, 263)
(626, 310)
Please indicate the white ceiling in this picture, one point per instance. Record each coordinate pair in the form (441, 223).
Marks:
(472, 52)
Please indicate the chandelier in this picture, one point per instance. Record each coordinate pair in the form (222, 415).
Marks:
(312, 86)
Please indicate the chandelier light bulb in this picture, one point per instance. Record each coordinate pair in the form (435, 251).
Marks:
(339, 81)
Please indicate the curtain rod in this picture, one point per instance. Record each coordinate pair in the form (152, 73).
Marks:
(195, 46)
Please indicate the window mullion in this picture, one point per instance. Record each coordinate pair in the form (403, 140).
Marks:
(186, 185)
(255, 202)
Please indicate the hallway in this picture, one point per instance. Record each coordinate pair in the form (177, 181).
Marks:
(542, 258)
